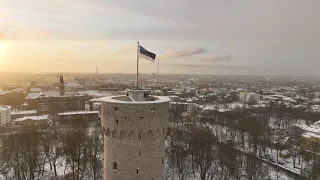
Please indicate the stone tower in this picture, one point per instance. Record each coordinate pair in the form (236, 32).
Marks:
(134, 128)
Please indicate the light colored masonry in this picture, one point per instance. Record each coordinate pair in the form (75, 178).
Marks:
(134, 128)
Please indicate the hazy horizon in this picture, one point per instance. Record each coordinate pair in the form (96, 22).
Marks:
(212, 37)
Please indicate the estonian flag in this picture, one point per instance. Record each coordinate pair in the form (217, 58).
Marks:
(145, 54)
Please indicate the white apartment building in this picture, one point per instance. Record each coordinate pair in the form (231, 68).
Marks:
(250, 97)
(5, 114)
(190, 108)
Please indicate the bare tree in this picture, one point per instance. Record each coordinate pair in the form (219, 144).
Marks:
(204, 148)
(229, 161)
(295, 134)
(254, 168)
(95, 146)
(30, 150)
(315, 168)
(51, 143)
(74, 148)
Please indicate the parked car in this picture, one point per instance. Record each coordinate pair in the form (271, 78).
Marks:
(266, 156)
(271, 159)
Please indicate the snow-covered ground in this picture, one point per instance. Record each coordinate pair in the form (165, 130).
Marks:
(224, 133)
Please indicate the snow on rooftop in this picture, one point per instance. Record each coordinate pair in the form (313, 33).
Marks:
(18, 89)
(115, 99)
(209, 108)
(2, 92)
(313, 129)
(34, 95)
(35, 90)
(72, 84)
(34, 118)
(94, 93)
(223, 110)
(310, 131)
(56, 93)
(77, 113)
(4, 108)
(310, 135)
(24, 112)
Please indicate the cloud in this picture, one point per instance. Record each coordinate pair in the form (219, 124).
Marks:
(237, 67)
(68, 52)
(126, 50)
(31, 33)
(184, 53)
(217, 58)
(26, 34)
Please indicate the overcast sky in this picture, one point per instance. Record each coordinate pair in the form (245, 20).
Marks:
(274, 37)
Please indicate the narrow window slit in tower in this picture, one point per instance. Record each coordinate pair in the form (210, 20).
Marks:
(115, 166)
(138, 171)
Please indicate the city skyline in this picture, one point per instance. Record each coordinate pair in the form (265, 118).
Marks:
(214, 37)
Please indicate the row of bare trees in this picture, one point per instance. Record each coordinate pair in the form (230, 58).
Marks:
(268, 127)
(194, 151)
(32, 153)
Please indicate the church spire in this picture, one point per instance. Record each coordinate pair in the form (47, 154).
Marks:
(61, 85)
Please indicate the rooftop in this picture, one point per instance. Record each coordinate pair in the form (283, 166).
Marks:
(77, 113)
(35, 90)
(126, 99)
(4, 108)
(34, 118)
(310, 135)
(24, 112)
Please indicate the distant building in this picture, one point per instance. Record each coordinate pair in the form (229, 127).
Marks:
(78, 117)
(72, 86)
(12, 98)
(174, 98)
(57, 104)
(311, 138)
(32, 99)
(32, 121)
(19, 114)
(209, 111)
(190, 108)
(35, 90)
(33, 84)
(203, 91)
(249, 98)
(5, 114)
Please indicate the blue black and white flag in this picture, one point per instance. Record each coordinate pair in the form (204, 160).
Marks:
(145, 54)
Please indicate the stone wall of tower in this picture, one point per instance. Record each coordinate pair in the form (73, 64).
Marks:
(134, 139)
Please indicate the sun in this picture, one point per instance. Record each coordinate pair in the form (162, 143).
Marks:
(3, 48)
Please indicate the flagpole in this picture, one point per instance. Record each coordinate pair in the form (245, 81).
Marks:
(138, 66)
(158, 75)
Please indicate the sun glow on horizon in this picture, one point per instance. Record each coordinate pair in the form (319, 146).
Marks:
(3, 49)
